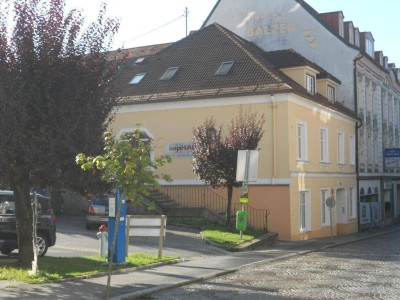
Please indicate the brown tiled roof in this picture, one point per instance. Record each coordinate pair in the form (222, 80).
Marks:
(198, 57)
(290, 58)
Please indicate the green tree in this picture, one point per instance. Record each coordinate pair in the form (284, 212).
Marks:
(215, 157)
(127, 164)
(56, 95)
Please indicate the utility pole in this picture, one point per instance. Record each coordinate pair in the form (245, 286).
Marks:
(186, 17)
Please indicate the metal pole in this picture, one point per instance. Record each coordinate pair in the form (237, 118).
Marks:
(246, 179)
(186, 15)
(330, 210)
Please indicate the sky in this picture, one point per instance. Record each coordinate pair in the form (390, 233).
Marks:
(150, 22)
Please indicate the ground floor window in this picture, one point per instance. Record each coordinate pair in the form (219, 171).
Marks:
(352, 203)
(305, 211)
(324, 208)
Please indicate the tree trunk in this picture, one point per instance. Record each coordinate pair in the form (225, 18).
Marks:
(229, 205)
(24, 221)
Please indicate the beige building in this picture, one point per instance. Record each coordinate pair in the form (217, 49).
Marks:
(307, 153)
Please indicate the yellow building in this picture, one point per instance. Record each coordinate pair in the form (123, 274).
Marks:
(307, 153)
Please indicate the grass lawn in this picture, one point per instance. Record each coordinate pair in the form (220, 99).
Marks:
(229, 238)
(56, 268)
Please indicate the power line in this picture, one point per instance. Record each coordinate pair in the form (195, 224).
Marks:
(155, 29)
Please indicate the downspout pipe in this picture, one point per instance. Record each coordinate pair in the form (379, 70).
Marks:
(358, 125)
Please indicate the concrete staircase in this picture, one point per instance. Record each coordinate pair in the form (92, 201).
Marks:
(168, 206)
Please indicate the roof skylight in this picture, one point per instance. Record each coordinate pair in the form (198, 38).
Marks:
(137, 78)
(224, 68)
(169, 73)
(139, 60)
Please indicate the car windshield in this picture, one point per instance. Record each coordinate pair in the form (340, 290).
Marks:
(101, 200)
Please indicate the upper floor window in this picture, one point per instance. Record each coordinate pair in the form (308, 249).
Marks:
(310, 84)
(331, 93)
(301, 141)
(340, 145)
(324, 145)
(352, 150)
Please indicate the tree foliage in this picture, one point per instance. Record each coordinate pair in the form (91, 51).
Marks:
(127, 164)
(56, 95)
(215, 156)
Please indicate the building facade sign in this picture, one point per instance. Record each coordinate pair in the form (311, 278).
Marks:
(392, 157)
(179, 150)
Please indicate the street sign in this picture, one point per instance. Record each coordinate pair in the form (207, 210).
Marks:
(247, 165)
(330, 202)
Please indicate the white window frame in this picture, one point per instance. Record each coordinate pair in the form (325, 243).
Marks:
(301, 135)
(310, 84)
(369, 47)
(340, 148)
(331, 93)
(225, 68)
(325, 214)
(169, 73)
(137, 78)
(304, 211)
(324, 145)
(352, 144)
(352, 203)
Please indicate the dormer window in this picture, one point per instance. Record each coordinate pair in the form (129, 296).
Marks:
(341, 25)
(356, 37)
(224, 68)
(369, 47)
(137, 78)
(367, 43)
(331, 94)
(169, 73)
(310, 84)
(139, 60)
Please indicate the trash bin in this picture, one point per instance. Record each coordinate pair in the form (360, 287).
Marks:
(241, 220)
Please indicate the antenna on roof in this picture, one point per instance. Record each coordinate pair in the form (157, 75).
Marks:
(186, 17)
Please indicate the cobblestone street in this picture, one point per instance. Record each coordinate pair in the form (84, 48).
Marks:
(367, 269)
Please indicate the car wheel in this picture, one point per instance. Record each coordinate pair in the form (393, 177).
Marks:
(42, 244)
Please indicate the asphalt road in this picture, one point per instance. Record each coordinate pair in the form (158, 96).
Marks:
(366, 269)
(73, 239)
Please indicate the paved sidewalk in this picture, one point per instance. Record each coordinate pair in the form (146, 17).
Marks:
(141, 282)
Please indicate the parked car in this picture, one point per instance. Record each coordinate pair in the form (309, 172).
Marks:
(97, 211)
(46, 227)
